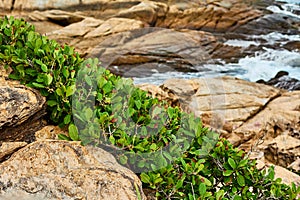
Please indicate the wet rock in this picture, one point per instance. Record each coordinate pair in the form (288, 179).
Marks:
(20, 107)
(66, 170)
(269, 23)
(283, 81)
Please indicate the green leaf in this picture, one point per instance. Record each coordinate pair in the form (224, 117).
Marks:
(243, 163)
(170, 112)
(51, 103)
(70, 90)
(123, 159)
(236, 197)
(30, 36)
(38, 85)
(227, 172)
(59, 92)
(241, 180)
(67, 119)
(73, 132)
(232, 163)
(202, 189)
(220, 195)
(145, 178)
(49, 79)
(138, 104)
(63, 137)
(153, 146)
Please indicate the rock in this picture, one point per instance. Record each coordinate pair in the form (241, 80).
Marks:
(66, 170)
(224, 101)
(8, 148)
(295, 166)
(20, 107)
(270, 23)
(287, 176)
(142, 52)
(49, 132)
(217, 16)
(78, 29)
(282, 150)
(146, 11)
(60, 17)
(283, 81)
(273, 130)
(115, 25)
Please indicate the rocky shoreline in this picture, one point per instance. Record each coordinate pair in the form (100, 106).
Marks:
(139, 38)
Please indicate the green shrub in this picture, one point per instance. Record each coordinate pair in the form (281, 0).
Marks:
(40, 63)
(178, 157)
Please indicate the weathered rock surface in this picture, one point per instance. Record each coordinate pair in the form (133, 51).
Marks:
(144, 51)
(20, 107)
(8, 148)
(246, 113)
(66, 170)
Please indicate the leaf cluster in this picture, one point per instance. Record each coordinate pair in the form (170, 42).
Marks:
(178, 157)
(40, 63)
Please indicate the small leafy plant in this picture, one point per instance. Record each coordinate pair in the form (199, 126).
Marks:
(173, 154)
(42, 64)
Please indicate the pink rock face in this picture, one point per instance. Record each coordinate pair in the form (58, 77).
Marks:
(66, 170)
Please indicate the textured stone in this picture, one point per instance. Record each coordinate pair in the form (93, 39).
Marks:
(49, 132)
(287, 176)
(144, 51)
(146, 11)
(78, 29)
(66, 170)
(8, 148)
(115, 25)
(20, 107)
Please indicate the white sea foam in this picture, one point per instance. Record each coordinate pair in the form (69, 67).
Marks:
(263, 65)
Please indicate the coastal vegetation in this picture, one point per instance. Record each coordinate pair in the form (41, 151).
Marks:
(170, 150)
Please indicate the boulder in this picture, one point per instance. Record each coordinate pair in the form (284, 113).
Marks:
(115, 25)
(20, 107)
(217, 16)
(8, 148)
(66, 170)
(142, 52)
(146, 11)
